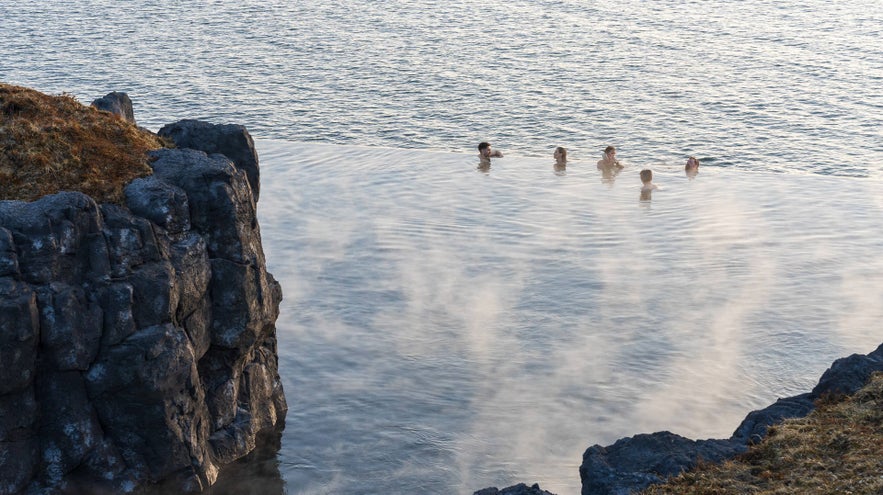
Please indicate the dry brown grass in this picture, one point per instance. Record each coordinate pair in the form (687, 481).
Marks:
(837, 449)
(53, 143)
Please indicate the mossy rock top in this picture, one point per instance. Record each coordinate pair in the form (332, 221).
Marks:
(50, 144)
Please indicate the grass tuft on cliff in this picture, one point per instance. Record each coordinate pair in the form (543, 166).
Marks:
(50, 144)
(837, 448)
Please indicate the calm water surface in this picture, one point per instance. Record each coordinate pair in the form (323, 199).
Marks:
(444, 330)
(752, 84)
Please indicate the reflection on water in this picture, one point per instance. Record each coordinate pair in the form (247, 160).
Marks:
(443, 331)
(256, 473)
(608, 174)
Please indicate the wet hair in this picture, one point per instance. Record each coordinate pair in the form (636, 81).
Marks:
(482, 145)
(608, 149)
(561, 151)
(695, 162)
(646, 175)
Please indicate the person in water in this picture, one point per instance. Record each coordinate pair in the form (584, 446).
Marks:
(647, 185)
(692, 166)
(485, 153)
(609, 161)
(560, 156)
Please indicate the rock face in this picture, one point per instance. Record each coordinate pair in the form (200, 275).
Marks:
(118, 104)
(230, 140)
(519, 489)
(639, 461)
(137, 343)
(634, 463)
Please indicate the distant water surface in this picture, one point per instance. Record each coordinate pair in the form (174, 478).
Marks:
(753, 84)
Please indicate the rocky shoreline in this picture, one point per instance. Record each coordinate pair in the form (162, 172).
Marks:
(633, 463)
(138, 341)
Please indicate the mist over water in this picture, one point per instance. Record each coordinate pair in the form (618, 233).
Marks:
(443, 329)
(448, 329)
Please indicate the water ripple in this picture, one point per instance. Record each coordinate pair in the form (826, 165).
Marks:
(661, 81)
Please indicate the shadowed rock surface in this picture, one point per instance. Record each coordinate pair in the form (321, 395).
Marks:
(634, 463)
(137, 343)
(117, 104)
(231, 140)
(639, 461)
(519, 489)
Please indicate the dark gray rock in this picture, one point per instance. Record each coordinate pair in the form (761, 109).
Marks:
(230, 140)
(847, 375)
(146, 393)
(55, 237)
(237, 289)
(519, 489)
(137, 344)
(8, 257)
(68, 427)
(154, 293)
(160, 202)
(19, 335)
(754, 427)
(222, 209)
(19, 464)
(131, 241)
(193, 272)
(18, 413)
(70, 327)
(116, 301)
(116, 103)
(633, 463)
(19, 441)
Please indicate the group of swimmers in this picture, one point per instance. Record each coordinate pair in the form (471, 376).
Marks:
(608, 165)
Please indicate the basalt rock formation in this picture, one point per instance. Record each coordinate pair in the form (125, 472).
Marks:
(231, 140)
(519, 489)
(634, 463)
(137, 342)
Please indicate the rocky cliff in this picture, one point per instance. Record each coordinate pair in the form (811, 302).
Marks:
(137, 341)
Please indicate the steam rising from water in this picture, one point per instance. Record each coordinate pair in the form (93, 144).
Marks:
(446, 330)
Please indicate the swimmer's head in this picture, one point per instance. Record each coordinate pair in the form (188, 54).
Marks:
(610, 151)
(560, 154)
(646, 175)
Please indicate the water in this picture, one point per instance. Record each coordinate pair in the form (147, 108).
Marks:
(444, 330)
(754, 84)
